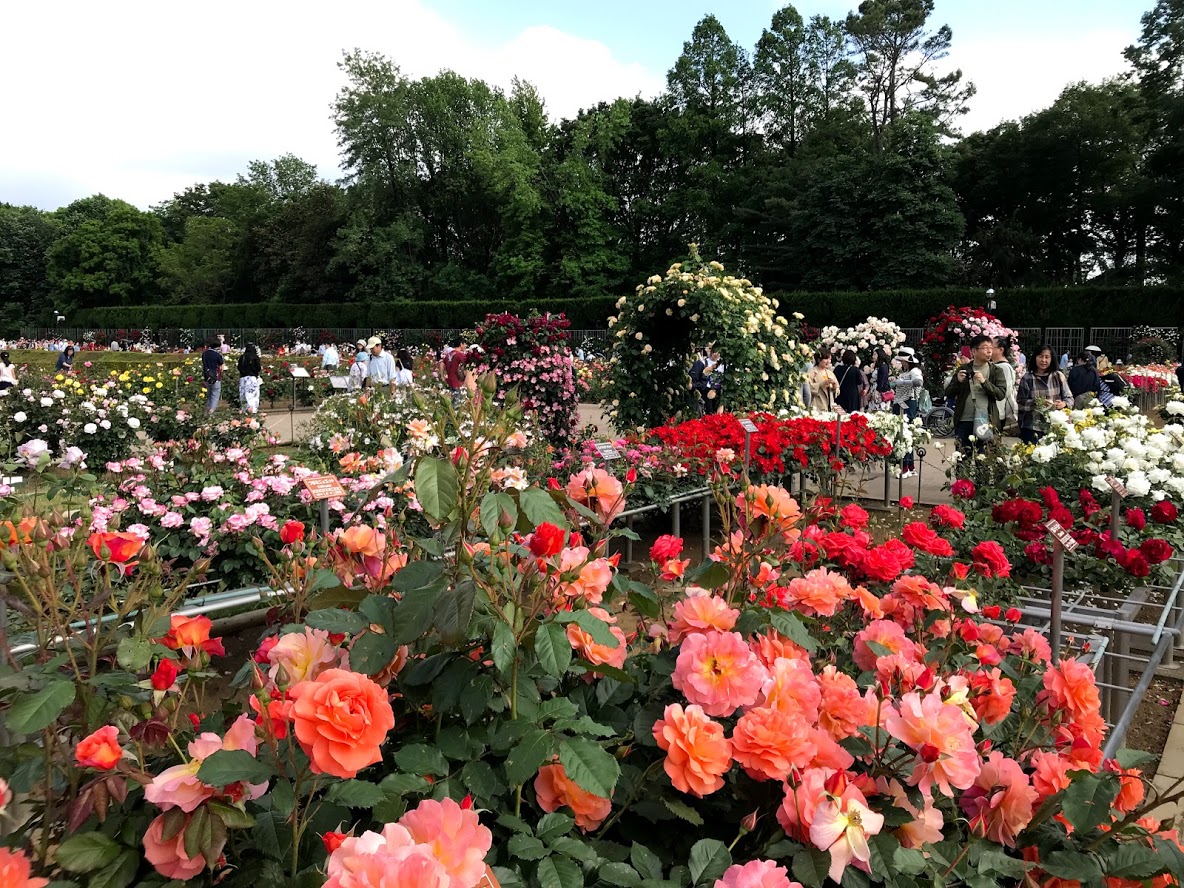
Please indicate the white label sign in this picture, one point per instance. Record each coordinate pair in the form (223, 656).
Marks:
(749, 426)
(607, 450)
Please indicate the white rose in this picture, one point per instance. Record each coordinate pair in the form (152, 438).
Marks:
(133, 422)
(19, 416)
(47, 402)
(90, 428)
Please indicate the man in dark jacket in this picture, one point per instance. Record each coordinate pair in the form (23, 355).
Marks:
(977, 388)
(1084, 382)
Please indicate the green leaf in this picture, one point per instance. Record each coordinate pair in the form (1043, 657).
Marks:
(119, 873)
(538, 507)
(334, 619)
(683, 811)
(498, 509)
(453, 610)
(372, 652)
(436, 487)
(1087, 801)
(909, 861)
(35, 712)
(592, 768)
(710, 574)
(228, 766)
(231, 816)
(1130, 861)
(995, 861)
(338, 596)
(283, 796)
(1072, 864)
(619, 874)
(1132, 758)
(503, 648)
(645, 862)
(559, 872)
(553, 649)
(593, 625)
(417, 575)
(481, 780)
(418, 758)
(708, 861)
(810, 867)
(355, 794)
(791, 626)
(413, 617)
(86, 852)
(526, 847)
(134, 654)
(527, 756)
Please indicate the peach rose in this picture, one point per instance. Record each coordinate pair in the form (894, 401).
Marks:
(700, 613)
(718, 671)
(455, 836)
(599, 491)
(697, 752)
(341, 720)
(772, 504)
(168, 855)
(584, 646)
(361, 539)
(191, 634)
(14, 871)
(301, 655)
(769, 744)
(100, 750)
(554, 789)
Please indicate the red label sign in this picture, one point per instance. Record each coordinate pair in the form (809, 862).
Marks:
(1061, 535)
(323, 487)
(489, 880)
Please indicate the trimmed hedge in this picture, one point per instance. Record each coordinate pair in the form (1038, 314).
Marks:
(1035, 307)
(583, 313)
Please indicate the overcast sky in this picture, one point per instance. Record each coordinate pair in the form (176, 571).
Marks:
(140, 99)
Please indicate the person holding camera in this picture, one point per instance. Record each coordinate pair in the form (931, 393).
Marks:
(977, 389)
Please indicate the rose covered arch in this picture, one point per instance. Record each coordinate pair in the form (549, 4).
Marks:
(660, 327)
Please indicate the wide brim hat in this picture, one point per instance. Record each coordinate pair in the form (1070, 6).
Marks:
(1093, 348)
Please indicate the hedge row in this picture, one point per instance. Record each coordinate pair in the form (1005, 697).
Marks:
(585, 314)
(1037, 307)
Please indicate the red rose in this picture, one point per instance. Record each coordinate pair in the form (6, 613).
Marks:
(1061, 515)
(1136, 563)
(1013, 615)
(547, 540)
(992, 611)
(165, 675)
(963, 489)
(1089, 505)
(853, 516)
(1049, 497)
(921, 536)
(1136, 518)
(907, 502)
(990, 560)
(292, 532)
(1164, 512)
(666, 547)
(882, 563)
(1038, 552)
(947, 516)
(1108, 548)
(903, 552)
(1156, 551)
(1006, 511)
(333, 840)
(959, 571)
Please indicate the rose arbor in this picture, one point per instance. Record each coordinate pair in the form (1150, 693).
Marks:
(659, 327)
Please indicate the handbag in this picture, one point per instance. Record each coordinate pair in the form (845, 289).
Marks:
(888, 396)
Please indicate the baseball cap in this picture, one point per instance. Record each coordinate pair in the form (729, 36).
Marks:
(373, 341)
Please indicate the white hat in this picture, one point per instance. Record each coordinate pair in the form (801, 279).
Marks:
(905, 352)
(373, 341)
(1092, 348)
(362, 343)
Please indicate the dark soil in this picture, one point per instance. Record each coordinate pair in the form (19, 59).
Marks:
(1151, 724)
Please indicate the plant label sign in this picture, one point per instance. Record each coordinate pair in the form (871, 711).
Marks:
(488, 879)
(607, 450)
(1061, 535)
(339, 383)
(1116, 485)
(324, 487)
(749, 426)
(299, 373)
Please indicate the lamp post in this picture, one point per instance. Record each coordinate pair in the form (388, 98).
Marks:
(990, 300)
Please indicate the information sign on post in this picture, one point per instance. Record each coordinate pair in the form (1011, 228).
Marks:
(339, 383)
(298, 372)
(324, 488)
(749, 430)
(749, 426)
(1117, 492)
(1062, 542)
(1117, 486)
(607, 450)
(1061, 535)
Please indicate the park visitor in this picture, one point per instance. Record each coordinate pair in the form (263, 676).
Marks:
(977, 389)
(452, 364)
(7, 372)
(211, 374)
(705, 382)
(852, 384)
(65, 360)
(403, 364)
(330, 358)
(1007, 406)
(381, 369)
(1043, 386)
(906, 400)
(249, 371)
(881, 395)
(823, 385)
(1084, 382)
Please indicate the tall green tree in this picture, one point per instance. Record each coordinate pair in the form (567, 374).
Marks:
(200, 266)
(26, 235)
(896, 54)
(108, 254)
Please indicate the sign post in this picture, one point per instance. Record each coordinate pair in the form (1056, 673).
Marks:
(750, 429)
(1062, 542)
(324, 488)
(297, 373)
(607, 450)
(1117, 492)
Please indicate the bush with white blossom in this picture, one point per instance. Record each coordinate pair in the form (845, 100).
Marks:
(865, 338)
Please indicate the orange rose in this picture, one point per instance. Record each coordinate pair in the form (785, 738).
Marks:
(341, 720)
(120, 547)
(554, 789)
(362, 540)
(191, 634)
(697, 752)
(769, 744)
(12, 534)
(100, 750)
